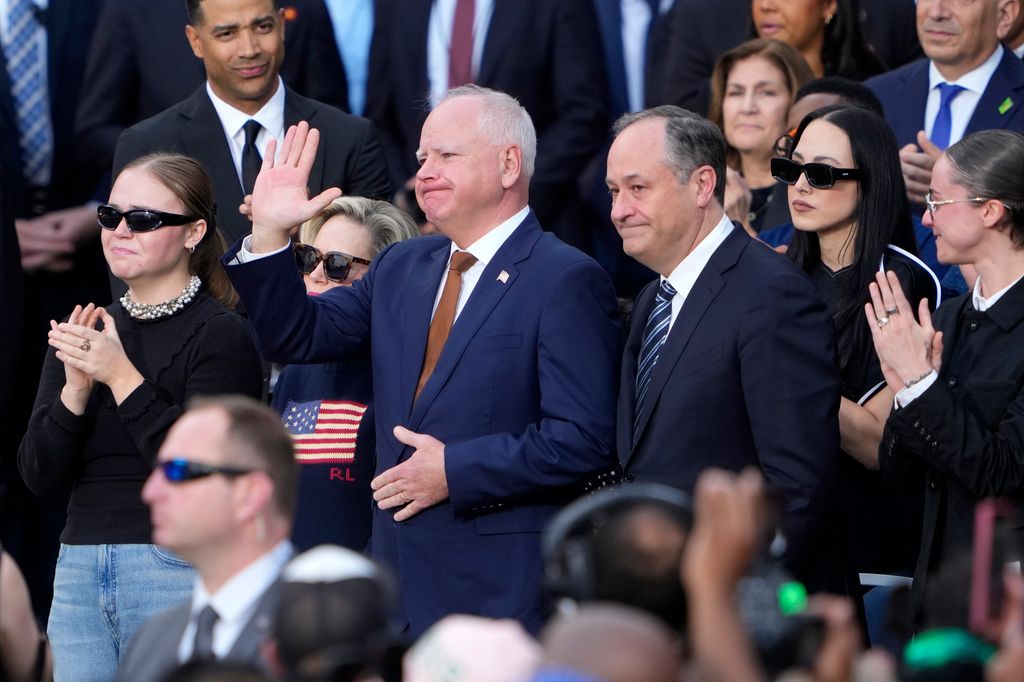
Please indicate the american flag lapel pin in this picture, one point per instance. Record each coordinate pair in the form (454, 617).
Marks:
(503, 277)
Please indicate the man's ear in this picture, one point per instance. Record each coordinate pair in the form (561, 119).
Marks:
(193, 40)
(705, 179)
(511, 161)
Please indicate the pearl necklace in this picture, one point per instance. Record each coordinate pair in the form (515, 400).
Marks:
(154, 311)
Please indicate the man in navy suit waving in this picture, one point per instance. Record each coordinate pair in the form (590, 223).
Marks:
(494, 356)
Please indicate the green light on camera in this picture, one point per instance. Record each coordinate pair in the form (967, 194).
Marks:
(792, 598)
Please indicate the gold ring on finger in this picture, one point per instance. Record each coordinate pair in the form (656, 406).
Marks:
(85, 346)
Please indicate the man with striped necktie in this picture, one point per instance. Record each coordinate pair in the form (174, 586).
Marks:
(730, 355)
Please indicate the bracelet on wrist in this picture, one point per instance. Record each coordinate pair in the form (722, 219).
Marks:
(919, 379)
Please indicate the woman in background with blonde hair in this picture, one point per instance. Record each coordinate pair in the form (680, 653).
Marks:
(328, 408)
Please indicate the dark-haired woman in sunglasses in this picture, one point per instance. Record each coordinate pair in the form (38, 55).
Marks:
(328, 408)
(852, 220)
(114, 381)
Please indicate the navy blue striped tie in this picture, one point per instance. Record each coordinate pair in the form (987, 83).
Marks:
(655, 334)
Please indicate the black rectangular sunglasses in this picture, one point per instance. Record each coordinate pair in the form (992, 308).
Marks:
(336, 263)
(138, 219)
(819, 175)
(179, 470)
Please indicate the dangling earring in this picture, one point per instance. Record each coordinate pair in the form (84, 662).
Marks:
(828, 19)
(192, 249)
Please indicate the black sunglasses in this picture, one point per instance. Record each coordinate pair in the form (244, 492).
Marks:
(819, 175)
(182, 470)
(336, 263)
(139, 219)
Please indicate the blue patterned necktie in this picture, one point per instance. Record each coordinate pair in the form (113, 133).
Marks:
(655, 334)
(944, 119)
(25, 67)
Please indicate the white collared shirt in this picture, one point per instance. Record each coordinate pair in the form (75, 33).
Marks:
(234, 602)
(484, 250)
(685, 275)
(439, 41)
(963, 105)
(270, 116)
(981, 304)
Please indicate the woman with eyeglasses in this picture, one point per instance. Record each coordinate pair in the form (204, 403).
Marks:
(113, 382)
(957, 432)
(328, 408)
(852, 220)
(752, 88)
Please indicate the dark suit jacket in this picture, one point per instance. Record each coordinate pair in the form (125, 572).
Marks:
(961, 440)
(701, 31)
(349, 155)
(609, 19)
(523, 397)
(545, 53)
(153, 651)
(904, 94)
(143, 64)
(747, 377)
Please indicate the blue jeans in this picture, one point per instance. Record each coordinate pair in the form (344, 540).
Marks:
(101, 595)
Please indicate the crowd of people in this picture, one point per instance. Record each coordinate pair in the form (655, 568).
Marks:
(512, 340)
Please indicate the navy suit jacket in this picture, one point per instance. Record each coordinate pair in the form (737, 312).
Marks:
(349, 155)
(747, 377)
(904, 94)
(523, 397)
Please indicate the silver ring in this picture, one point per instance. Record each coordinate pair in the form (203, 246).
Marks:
(85, 346)
(882, 321)
(404, 499)
(892, 311)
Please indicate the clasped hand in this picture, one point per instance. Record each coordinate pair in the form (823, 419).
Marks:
(280, 198)
(907, 349)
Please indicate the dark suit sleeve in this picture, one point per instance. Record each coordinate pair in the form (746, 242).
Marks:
(291, 326)
(312, 65)
(130, 146)
(109, 91)
(577, 368)
(791, 391)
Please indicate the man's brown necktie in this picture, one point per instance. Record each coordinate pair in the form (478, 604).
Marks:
(444, 316)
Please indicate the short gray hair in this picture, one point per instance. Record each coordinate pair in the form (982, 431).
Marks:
(503, 121)
(691, 141)
(386, 224)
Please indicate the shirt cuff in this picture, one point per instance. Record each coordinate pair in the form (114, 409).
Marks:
(905, 396)
(244, 255)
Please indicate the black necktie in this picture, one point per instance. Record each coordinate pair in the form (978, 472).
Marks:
(202, 649)
(251, 159)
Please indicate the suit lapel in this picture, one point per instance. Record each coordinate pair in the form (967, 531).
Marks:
(296, 109)
(704, 291)
(258, 627)
(202, 137)
(504, 20)
(418, 303)
(488, 292)
(911, 120)
(1006, 85)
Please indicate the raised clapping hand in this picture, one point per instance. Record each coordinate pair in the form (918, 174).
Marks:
(280, 199)
(90, 355)
(907, 350)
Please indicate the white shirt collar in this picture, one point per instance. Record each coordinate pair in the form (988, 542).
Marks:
(1019, 51)
(686, 273)
(488, 245)
(270, 115)
(981, 304)
(976, 81)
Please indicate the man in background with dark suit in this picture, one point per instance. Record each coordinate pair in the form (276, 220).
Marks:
(41, 60)
(545, 53)
(227, 122)
(222, 496)
(139, 65)
(730, 360)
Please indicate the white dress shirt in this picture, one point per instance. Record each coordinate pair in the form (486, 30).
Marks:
(270, 116)
(963, 105)
(439, 42)
(685, 275)
(234, 602)
(906, 396)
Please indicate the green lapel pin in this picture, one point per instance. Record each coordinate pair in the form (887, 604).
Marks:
(1006, 105)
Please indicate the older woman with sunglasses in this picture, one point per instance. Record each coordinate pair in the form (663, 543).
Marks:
(852, 220)
(957, 432)
(328, 408)
(114, 381)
